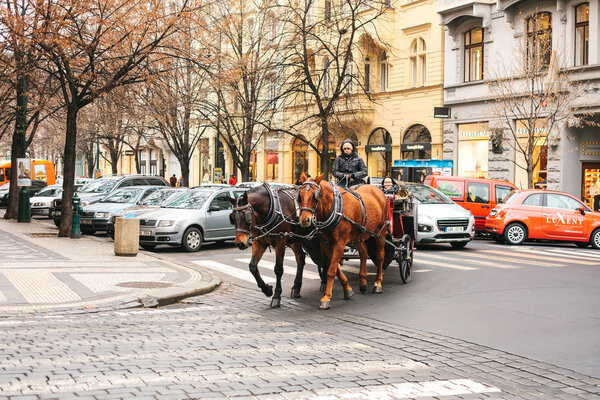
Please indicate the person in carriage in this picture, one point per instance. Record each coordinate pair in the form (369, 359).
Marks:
(349, 168)
(389, 186)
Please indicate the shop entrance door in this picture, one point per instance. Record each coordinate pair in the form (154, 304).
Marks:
(590, 173)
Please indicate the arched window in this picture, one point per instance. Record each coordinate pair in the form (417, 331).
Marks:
(299, 158)
(416, 143)
(474, 55)
(582, 33)
(349, 74)
(539, 39)
(418, 63)
(367, 75)
(384, 72)
(379, 152)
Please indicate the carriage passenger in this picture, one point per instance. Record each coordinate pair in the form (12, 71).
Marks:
(349, 168)
(389, 186)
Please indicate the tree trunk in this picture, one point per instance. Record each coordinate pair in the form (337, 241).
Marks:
(13, 195)
(529, 176)
(185, 172)
(136, 157)
(66, 219)
(114, 164)
(325, 149)
(91, 165)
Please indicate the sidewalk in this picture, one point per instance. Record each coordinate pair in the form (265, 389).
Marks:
(42, 273)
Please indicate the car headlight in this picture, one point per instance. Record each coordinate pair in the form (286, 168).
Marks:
(102, 215)
(425, 228)
(38, 204)
(166, 223)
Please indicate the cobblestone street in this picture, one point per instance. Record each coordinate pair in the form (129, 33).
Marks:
(230, 344)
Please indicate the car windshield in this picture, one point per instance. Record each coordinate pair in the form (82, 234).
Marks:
(5, 186)
(428, 195)
(193, 199)
(99, 186)
(49, 192)
(159, 197)
(125, 195)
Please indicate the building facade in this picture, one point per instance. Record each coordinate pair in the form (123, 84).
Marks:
(482, 35)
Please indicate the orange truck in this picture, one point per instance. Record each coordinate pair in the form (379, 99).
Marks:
(43, 170)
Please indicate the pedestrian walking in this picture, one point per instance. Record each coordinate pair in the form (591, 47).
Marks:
(173, 181)
(232, 180)
(595, 194)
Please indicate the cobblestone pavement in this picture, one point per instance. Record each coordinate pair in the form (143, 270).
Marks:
(229, 344)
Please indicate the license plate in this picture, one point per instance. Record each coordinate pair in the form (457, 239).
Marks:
(454, 229)
(85, 222)
(145, 233)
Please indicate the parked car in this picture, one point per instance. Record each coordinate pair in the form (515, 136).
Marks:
(152, 202)
(474, 194)
(95, 217)
(42, 200)
(250, 185)
(35, 187)
(190, 219)
(211, 185)
(99, 188)
(439, 219)
(542, 214)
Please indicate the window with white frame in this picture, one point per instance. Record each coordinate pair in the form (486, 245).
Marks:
(418, 63)
(582, 33)
(474, 55)
(539, 39)
(384, 72)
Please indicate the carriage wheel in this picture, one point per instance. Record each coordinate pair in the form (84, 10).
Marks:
(405, 258)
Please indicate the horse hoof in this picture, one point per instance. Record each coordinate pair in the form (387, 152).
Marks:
(349, 294)
(377, 290)
(323, 286)
(275, 303)
(295, 293)
(268, 290)
(363, 288)
(324, 305)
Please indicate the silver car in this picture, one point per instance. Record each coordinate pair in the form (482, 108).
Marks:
(440, 220)
(41, 202)
(196, 216)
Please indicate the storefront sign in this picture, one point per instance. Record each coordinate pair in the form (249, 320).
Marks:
(474, 134)
(378, 148)
(128, 152)
(24, 172)
(416, 146)
(272, 158)
(441, 112)
(539, 128)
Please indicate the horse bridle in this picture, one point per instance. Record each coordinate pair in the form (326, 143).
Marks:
(306, 186)
(247, 212)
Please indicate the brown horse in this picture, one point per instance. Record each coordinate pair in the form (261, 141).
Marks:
(320, 203)
(265, 217)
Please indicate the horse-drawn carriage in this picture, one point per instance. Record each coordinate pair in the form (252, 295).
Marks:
(402, 210)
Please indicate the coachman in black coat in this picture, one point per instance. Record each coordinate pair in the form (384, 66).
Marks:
(349, 168)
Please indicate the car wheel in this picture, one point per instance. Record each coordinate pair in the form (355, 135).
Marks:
(459, 245)
(516, 233)
(595, 239)
(582, 244)
(87, 231)
(57, 223)
(148, 246)
(192, 239)
(498, 238)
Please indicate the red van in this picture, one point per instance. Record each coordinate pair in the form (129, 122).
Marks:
(475, 194)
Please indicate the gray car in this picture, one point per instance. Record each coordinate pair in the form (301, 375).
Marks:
(96, 217)
(41, 202)
(150, 203)
(440, 220)
(190, 219)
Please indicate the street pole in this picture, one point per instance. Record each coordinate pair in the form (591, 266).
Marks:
(24, 210)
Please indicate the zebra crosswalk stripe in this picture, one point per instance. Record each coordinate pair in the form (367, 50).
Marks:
(421, 262)
(287, 269)
(465, 260)
(523, 254)
(243, 275)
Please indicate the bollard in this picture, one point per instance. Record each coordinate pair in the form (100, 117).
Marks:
(127, 236)
(24, 210)
(75, 227)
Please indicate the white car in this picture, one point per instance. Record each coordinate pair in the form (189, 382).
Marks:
(440, 220)
(42, 200)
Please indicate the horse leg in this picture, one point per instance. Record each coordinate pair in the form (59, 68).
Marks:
(348, 292)
(279, 253)
(332, 271)
(362, 275)
(257, 252)
(300, 262)
(380, 256)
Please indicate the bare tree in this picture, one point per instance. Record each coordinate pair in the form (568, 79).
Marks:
(323, 48)
(94, 47)
(534, 97)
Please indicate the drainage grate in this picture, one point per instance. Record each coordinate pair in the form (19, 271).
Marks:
(44, 235)
(144, 285)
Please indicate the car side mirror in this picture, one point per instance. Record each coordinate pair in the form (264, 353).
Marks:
(214, 208)
(500, 201)
(582, 210)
